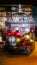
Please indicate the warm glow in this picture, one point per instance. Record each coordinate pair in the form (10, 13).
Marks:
(0, 39)
(27, 36)
(28, 9)
(31, 40)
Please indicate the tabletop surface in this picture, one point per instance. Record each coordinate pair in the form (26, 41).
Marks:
(6, 59)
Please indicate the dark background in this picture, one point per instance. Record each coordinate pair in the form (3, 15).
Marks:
(33, 2)
(34, 13)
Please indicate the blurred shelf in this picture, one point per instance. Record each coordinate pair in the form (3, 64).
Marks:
(14, 5)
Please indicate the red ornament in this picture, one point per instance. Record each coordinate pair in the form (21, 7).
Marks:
(32, 30)
(13, 33)
(10, 33)
(17, 33)
(24, 43)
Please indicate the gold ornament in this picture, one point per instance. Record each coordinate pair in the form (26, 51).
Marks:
(18, 40)
(31, 40)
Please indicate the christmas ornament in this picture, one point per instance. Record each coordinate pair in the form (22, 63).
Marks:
(31, 30)
(13, 33)
(32, 36)
(27, 36)
(31, 40)
(18, 40)
(11, 39)
(23, 43)
(10, 33)
(22, 38)
(17, 34)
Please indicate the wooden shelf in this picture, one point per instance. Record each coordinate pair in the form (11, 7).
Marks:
(16, 5)
(21, 12)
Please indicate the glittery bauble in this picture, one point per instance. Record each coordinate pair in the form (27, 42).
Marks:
(27, 37)
(31, 40)
(11, 39)
(22, 38)
(13, 33)
(23, 43)
(18, 40)
(17, 34)
(10, 33)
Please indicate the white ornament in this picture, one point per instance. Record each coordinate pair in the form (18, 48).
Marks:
(11, 39)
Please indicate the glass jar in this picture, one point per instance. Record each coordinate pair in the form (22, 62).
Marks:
(20, 33)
